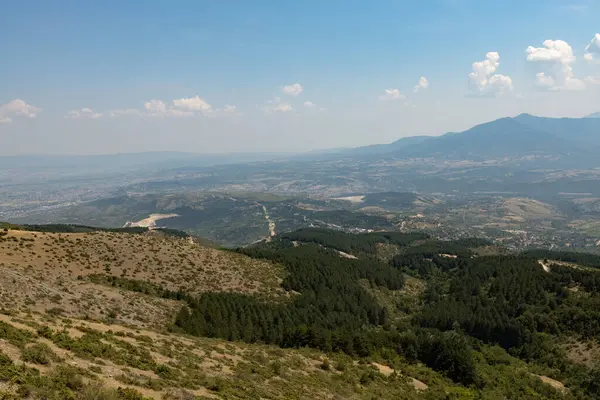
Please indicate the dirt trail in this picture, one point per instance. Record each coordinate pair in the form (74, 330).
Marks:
(150, 222)
(387, 371)
(552, 382)
(272, 232)
(544, 265)
(547, 263)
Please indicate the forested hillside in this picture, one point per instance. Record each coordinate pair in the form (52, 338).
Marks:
(469, 304)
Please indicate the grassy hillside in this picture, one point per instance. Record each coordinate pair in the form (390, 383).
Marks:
(59, 271)
(310, 314)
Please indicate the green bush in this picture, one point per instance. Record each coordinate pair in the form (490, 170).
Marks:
(38, 353)
(129, 394)
(166, 372)
(16, 337)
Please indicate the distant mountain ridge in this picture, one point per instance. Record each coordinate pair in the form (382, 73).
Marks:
(511, 137)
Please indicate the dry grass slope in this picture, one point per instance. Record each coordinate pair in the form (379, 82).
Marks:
(48, 272)
(169, 366)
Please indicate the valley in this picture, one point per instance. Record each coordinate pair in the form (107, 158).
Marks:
(520, 194)
(239, 219)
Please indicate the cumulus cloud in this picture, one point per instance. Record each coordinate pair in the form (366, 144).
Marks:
(17, 108)
(277, 106)
(553, 51)
(423, 84)
(543, 80)
(309, 104)
(155, 107)
(391, 95)
(293, 89)
(594, 46)
(593, 50)
(283, 107)
(83, 113)
(184, 107)
(557, 56)
(158, 108)
(193, 104)
(483, 79)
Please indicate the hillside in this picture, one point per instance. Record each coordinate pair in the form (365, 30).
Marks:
(313, 313)
(85, 316)
(59, 271)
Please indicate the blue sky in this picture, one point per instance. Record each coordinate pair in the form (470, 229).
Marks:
(81, 77)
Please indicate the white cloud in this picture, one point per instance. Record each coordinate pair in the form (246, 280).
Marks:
(229, 108)
(423, 84)
(83, 113)
(158, 108)
(309, 104)
(283, 107)
(543, 80)
(193, 104)
(293, 89)
(124, 112)
(171, 112)
(558, 56)
(155, 107)
(484, 81)
(593, 50)
(391, 95)
(17, 108)
(594, 46)
(184, 107)
(593, 80)
(276, 105)
(553, 51)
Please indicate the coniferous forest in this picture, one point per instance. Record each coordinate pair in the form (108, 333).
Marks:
(469, 304)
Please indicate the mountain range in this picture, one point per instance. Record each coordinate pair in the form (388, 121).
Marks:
(504, 137)
(513, 138)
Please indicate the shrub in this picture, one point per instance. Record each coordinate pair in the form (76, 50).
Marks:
(166, 372)
(38, 353)
(96, 391)
(16, 337)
